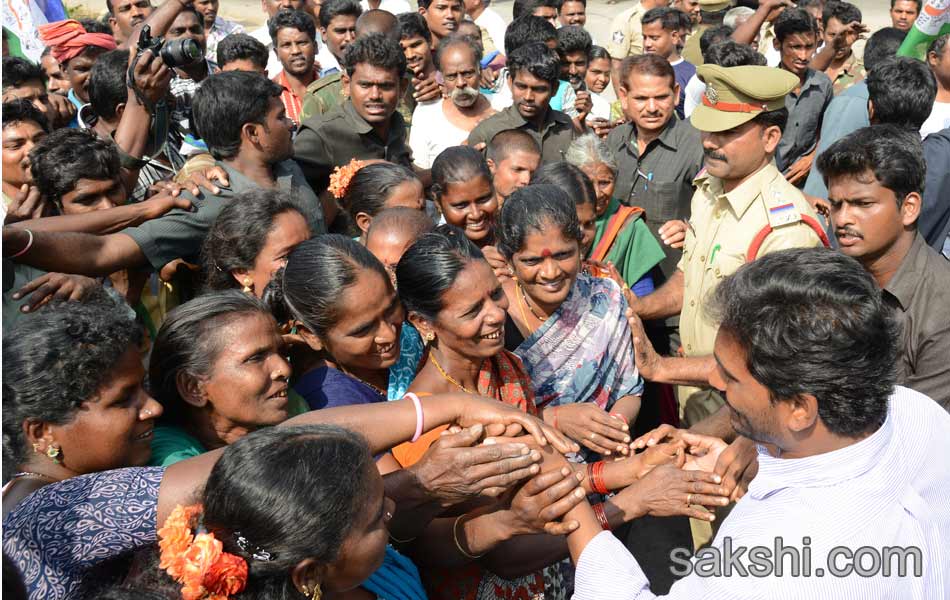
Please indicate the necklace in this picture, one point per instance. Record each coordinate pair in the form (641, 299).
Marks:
(376, 389)
(524, 302)
(448, 377)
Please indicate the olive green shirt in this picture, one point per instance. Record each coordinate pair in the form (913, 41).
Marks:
(327, 141)
(920, 293)
(326, 93)
(554, 136)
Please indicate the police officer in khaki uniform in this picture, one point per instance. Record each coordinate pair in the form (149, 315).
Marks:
(711, 15)
(626, 35)
(742, 208)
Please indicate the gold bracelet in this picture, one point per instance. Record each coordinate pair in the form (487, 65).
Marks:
(455, 535)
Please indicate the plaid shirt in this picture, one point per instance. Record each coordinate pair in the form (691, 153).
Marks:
(221, 29)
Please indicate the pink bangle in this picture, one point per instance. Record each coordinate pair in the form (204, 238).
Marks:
(420, 418)
(29, 244)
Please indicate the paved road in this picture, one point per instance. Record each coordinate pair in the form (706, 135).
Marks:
(599, 13)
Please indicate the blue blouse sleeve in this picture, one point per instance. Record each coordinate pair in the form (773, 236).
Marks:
(63, 529)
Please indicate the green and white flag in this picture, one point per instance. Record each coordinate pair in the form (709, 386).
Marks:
(20, 20)
(933, 21)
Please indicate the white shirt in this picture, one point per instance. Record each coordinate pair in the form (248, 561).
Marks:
(495, 25)
(391, 6)
(262, 35)
(939, 119)
(693, 95)
(891, 489)
(431, 133)
(327, 60)
(600, 107)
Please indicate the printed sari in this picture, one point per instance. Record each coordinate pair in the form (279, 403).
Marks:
(583, 352)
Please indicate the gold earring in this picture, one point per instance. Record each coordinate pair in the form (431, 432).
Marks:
(53, 453)
(430, 337)
(247, 285)
(315, 594)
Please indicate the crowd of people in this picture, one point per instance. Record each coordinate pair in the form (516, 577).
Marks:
(384, 302)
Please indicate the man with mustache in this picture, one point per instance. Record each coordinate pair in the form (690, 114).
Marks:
(658, 156)
(796, 37)
(125, 15)
(875, 178)
(848, 461)
(294, 36)
(449, 121)
(742, 209)
(533, 72)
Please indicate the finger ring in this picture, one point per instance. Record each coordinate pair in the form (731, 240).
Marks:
(689, 498)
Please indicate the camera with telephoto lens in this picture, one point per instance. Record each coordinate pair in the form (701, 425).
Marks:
(174, 53)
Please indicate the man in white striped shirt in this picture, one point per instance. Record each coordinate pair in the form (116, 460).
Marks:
(852, 495)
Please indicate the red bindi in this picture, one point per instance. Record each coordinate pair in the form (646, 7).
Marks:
(545, 253)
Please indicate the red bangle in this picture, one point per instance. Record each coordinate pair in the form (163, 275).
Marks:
(601, 516)
(597, 477)
(620, 416)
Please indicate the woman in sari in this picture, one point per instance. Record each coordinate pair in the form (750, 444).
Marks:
(83, 410)
(621, 236)
(567, 327)
(458, 306)
(345, 315)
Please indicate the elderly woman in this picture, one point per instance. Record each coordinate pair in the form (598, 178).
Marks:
(84, 408)
(622, 236)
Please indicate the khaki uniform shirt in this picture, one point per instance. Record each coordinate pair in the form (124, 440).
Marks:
(723, 227)
(692, 51)
(626, 33)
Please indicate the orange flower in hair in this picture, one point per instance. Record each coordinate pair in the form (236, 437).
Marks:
(341, 177)
(175, 537)
(198, 562)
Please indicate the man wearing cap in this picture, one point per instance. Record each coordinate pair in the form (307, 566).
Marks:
(711, 14)
(743, 208)
(626, 35)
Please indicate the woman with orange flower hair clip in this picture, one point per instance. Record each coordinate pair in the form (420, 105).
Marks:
(77, 422)
(366, 188)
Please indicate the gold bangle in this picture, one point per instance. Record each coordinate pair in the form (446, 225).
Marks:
(455, 536)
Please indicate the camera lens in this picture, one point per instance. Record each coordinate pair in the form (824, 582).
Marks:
(178, 53)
